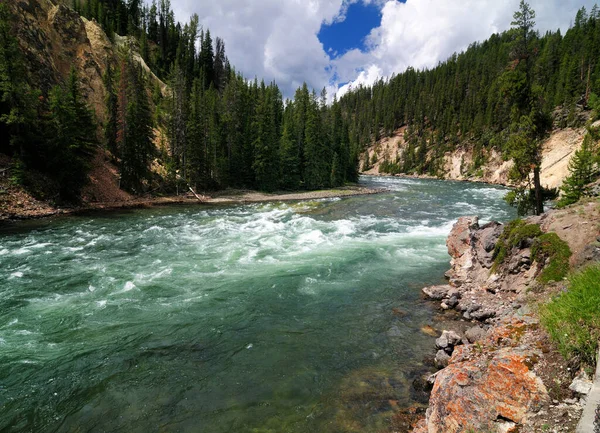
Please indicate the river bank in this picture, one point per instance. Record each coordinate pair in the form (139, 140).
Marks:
(23, 207)
(499, 370)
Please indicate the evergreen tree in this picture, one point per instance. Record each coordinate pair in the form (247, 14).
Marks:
(177, 127)
(207, 60)
(529, 122)
(111, 101)
(73, 138)
(17, 101)
(583, 169)
(266, 157)
(134, 132)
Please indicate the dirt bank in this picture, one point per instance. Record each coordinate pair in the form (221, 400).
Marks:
(15, 204)
(557, 151)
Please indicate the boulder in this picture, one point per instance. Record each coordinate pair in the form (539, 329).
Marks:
(441, 359)
(437, 293)
(482, 314)
(448, 339)
(485, 242)
(474, 394)
(459, 241)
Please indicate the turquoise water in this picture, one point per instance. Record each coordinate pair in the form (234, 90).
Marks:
(297, 317)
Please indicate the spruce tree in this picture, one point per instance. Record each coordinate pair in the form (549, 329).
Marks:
(17, 100)
(583, 169)
(529, 121)
(134, 132)
(73, 138)
(111, 102)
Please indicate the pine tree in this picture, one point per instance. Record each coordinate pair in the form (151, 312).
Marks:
(17, 100)
(266, 143)
(73, 139)
(207, 60)
(177, 127)
(134, 128)
(111, 101)
(583, 169)
(529, 121)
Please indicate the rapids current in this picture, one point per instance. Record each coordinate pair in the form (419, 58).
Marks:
(278, 317)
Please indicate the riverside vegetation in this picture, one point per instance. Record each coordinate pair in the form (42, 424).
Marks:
(211, 128)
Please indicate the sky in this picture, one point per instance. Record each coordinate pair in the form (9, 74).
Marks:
(338, 44)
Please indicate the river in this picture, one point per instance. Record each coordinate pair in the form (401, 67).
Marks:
(278, 317)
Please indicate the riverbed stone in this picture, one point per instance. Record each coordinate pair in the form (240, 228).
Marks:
(441, 359)
(437, 293)
(448, 339)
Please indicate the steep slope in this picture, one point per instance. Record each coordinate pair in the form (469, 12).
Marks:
(54, 39)
(458, 164)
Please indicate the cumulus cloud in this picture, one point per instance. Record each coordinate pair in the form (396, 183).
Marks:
(277, 39)
(421, 33)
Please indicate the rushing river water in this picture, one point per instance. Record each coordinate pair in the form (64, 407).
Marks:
(295, 317)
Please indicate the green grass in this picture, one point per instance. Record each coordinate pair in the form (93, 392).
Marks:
(573, 317)
(550, 246)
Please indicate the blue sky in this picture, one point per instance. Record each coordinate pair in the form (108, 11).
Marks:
(322, 42)
(341, 36)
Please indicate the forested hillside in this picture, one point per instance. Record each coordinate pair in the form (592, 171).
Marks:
(471, 97)
(212, 128)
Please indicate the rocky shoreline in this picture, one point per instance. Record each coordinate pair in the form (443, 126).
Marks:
(498, 370)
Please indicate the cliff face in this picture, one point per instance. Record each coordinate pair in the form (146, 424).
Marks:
(458, 164)
(54, 39)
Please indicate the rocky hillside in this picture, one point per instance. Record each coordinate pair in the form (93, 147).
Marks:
(54, 39)
(459, 164)
(503, 374)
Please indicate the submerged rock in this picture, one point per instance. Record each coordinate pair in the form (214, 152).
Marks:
(430, 330)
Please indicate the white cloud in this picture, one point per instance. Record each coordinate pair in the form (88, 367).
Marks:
(421, 33)
(277, 39)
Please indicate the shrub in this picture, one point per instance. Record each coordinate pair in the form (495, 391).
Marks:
(573, 317)
(553, 253)
(547, 249)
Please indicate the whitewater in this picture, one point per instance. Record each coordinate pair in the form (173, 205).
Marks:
(274, 317)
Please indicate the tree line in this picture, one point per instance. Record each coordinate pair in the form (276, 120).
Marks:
(211, 129)
(500, 93)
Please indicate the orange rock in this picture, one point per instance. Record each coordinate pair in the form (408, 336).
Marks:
(476, 394)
